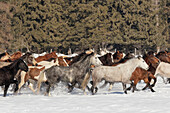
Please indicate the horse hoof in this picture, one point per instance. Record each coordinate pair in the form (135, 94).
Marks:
(153, 90)
(125, 92)
(152, 85)
(129, 88)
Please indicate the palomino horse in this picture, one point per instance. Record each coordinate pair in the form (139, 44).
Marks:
(4, 56)
(46, 57)
(117, 73)
(7, 74)
(72, 74)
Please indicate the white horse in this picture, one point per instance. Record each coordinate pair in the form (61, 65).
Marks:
(119, 73)
(163, 70)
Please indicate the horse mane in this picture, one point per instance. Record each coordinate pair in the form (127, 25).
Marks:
(77, 58)
(13, 64)
(83, 58)
(25, 55)
(161, 53)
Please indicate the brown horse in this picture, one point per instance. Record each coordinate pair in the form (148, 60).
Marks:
(14, 56)
(164, 56)
(33, 74)
(107, 59)
(117, 56)
(46, 57)
(146, 75)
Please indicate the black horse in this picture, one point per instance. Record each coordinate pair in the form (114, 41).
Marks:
(7, 73)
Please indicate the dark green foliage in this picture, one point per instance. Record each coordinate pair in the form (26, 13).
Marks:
(81, 24)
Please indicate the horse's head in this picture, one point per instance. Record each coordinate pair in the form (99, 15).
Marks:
(142, 63)
(22, 65)
(117, 56)
(29, 58)
(151, 60)
(95, 60)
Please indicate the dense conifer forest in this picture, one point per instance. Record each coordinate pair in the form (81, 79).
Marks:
(41, 25)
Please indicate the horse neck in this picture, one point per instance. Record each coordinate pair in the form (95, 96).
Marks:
(83, 64)
(14, 68)
(130, 66)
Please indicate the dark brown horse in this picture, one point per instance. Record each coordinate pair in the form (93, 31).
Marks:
(107, 59)
(163, 56)
(117, 56)
(7, 74)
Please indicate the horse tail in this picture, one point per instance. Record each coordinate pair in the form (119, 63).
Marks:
(42, 78)
(85, 81)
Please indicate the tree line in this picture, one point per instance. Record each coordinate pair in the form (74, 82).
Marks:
(41, 25)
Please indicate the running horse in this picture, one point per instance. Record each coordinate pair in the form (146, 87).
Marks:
(72, 74)
(7, 73)
(117, 73)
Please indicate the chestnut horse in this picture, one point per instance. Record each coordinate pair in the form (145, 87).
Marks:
(14, 56)
(46, 57)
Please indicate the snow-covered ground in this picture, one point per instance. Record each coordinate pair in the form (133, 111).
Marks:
(114, 101)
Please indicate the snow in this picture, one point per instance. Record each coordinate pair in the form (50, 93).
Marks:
(76, 102)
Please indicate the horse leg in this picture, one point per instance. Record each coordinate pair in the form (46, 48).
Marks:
(124, 88)
(71, 86)
(85, 82)
(111, 85)
(31, 87)
(148, 84)
(131, 85)
(151, 76)
(48, 89)
(134, 85)
(94, 89)
(6, 89)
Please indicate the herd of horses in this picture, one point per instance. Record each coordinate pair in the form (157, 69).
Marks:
(77, 71)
